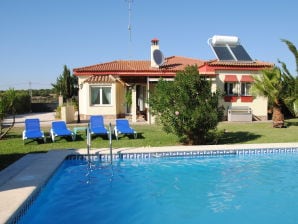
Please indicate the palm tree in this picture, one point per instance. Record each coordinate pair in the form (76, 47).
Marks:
(270, 84)
(281, 88)
(291, 85)
(293, 49)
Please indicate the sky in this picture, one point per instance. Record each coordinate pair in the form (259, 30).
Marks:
(39, 37)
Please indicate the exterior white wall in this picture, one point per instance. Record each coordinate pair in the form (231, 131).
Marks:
(83, 95)
(87, 109)
(258, 105)
(102, 109)
(213, 85)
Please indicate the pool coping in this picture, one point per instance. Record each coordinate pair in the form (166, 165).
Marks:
(23, 179)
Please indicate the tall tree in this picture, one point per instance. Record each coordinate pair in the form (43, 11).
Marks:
(186, 106)
(65, 84)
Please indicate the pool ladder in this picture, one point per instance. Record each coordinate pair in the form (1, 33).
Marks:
(110, 143)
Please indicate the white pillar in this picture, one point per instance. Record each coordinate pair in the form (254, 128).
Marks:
(148, 105)
(134, 103)
(60, 100)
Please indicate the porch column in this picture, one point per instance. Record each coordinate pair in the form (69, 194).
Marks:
(134, 103)
(148, 106)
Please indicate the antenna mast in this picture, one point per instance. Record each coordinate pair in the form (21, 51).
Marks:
(129, 18)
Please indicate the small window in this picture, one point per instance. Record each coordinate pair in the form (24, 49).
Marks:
(100, 95)
(231, 88)
(245, 89)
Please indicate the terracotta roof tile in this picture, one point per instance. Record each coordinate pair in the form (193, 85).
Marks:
(239, 63)
(122, 67)
(170, 68)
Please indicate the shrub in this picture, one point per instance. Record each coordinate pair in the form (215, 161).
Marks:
(186, 106)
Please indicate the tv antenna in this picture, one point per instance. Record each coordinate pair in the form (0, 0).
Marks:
(129, 18)
(158, 57)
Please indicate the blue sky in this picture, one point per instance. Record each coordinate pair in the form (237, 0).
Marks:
(38, 37)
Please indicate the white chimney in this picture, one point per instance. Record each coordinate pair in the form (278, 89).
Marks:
(154, 46)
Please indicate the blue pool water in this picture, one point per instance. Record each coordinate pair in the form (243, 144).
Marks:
(216, 189)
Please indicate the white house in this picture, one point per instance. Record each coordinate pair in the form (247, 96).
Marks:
(121, 88)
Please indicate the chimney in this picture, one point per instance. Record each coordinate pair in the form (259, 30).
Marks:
(154, 46)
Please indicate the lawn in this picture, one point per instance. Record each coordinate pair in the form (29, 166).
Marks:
(12, 148)
(258, 132)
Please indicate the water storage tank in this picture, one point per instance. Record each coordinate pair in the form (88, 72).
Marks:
(220, 40)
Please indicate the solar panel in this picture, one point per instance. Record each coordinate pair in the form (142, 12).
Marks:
(240, 53)
(228, 48)
(223, 53)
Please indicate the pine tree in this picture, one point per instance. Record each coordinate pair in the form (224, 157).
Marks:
(65, 84)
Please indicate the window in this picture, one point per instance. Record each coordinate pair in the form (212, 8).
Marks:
(245, 89)
(100, 95)
(231, 88)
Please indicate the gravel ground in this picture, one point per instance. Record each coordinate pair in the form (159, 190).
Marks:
(45, 118)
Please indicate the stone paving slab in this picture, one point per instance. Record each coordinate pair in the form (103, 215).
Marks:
(15, 191)
(17, 167)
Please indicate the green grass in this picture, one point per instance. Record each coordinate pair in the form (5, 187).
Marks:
(12, 148)
(258, 132)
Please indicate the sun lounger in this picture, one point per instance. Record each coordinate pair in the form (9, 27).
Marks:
(33, 130)
(59, 129)
(123, 127)
(96, 126)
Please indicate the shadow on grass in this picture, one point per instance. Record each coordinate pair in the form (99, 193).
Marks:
(12, 136)
(130, 136)
(237, 137)
(6, 160)
(61, 139)
(291, 123)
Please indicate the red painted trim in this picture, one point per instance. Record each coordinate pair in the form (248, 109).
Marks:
(230, 98)
(247, 99)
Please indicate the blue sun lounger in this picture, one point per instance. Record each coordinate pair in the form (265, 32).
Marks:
(123, 127)
(96, 126)
(32, 130)
(59, 129)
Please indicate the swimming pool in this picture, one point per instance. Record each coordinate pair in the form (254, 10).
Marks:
(252, 188)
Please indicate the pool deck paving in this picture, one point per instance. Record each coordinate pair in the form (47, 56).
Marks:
(23, 178)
